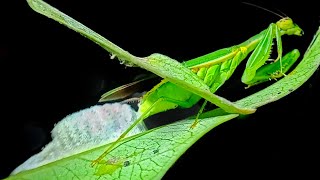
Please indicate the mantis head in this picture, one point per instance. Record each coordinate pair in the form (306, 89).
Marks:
(287, 26)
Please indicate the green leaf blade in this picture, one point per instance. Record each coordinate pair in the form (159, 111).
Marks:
(144, 156)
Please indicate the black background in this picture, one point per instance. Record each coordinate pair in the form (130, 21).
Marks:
(49, 71)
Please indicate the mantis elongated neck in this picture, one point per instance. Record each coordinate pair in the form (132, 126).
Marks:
(224, 54)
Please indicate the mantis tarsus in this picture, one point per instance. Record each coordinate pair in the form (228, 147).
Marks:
(199, 77)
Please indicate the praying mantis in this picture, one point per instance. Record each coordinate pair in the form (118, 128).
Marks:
(197, 78)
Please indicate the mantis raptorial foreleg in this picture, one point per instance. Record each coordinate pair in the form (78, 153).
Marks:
(273, 70)
(262, 52)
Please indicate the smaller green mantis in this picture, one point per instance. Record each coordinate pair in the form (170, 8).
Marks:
(215, 69)
(181, 86)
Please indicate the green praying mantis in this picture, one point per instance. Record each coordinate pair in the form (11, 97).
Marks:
(186, 83)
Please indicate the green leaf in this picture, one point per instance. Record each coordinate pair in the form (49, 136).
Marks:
(144, 156)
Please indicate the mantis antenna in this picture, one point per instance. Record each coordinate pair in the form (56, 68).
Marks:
(264, 9)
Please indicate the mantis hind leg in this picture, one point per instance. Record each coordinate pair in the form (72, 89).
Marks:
(196, 121)
(123, 135)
